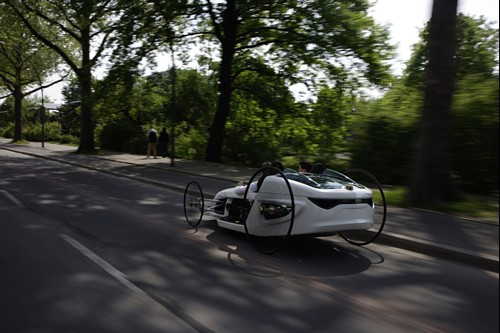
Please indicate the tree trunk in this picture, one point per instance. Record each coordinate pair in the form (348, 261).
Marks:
(87, 143)
(431, 180)
(216, 140)
(18, 114)
(228, 41)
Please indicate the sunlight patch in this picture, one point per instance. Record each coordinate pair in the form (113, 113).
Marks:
(151, 201)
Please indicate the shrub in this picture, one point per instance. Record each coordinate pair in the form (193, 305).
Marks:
(190, 143)
(51, 132)
(122, 135)
(8, 131)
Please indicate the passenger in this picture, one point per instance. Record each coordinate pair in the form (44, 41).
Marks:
(318, 168)
(237, 207)
(278, 165)
(305, 167)
(268, 172)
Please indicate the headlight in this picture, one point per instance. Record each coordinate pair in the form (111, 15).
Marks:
(273, 211)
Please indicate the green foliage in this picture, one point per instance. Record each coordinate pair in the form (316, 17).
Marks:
(383, 134)
(51, 132)
(476, 50)
(7, 131)
(294, 134)
(475, 148)
(195, 98)
(123, 135)
(310, 41)
(146, 100)
(329, 115)
(250, 133)
(190, 143)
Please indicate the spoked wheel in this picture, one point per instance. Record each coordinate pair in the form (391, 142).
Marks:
(365, 237)
(270, 212)
(194, 204)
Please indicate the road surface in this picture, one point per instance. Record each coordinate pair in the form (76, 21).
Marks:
(84, 251)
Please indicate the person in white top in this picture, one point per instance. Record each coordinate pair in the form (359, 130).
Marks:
(152, 139)
(241, 187)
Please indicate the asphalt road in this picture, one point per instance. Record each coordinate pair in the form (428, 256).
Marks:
(84, 251)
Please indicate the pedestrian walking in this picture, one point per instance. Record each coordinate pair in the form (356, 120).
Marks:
(163, 142)
(152, 139)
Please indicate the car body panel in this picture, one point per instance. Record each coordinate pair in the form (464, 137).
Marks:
(323, 206)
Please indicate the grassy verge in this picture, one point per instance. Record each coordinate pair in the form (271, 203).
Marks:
(20, 142)
(469, 205)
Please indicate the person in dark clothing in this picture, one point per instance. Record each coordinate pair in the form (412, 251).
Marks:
(163, 142)
(318, 168)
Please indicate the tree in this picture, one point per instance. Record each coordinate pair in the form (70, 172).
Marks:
(333, 37)
(382, 133)
(24, 63)
(475, 148)
(79, 32)
(388, 126)
(431, 179)
(476, 51)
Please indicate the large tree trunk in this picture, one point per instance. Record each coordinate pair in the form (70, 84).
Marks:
(216, 140)
(87, 143)
(228, 41)
(431, 179)
(18, 114)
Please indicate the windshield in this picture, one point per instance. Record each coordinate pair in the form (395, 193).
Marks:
(330, 179)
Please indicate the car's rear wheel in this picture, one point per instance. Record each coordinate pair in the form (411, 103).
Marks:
(194, 204)
(365, 237)
(269, 217)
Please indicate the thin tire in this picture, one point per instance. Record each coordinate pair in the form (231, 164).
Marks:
(348, 235)
(194, 204)
(270, 244)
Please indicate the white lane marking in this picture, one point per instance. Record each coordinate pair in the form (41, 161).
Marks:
(12, 198)
(101, 262)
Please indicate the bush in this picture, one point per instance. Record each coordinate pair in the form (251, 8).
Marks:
(8, 131)
(385, 148)
(190, 143)
(122, 135)
(475, 142)
(68, 139)
(51, 132)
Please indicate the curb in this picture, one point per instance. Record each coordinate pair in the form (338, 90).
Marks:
(159, 168)
(475, 220)
(479, 260)
(151, 182)
(448, 252)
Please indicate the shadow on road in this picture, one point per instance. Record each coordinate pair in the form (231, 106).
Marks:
(326, 257)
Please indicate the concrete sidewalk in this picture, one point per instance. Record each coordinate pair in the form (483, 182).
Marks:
(464, 240)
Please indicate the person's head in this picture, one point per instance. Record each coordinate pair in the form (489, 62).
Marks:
(151, 126)
(269, 172)
(318, 168)
(278, 165)
(305, 166)
(265, 164)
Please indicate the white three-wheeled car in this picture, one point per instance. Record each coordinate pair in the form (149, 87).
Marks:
(283, 204)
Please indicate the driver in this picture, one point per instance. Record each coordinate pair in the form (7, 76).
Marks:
(305, 166)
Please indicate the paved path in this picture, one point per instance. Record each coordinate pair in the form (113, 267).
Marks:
(464, 240)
